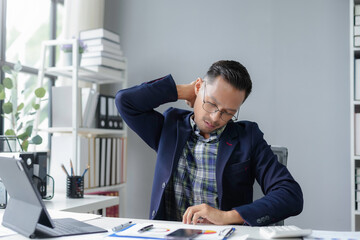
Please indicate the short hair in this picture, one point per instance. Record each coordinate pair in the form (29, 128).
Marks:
(233, 72)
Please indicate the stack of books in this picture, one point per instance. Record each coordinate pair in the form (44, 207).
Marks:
(103, 53)
(357, 26)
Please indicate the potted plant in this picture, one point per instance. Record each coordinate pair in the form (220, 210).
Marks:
(20, 114)
(68, 48)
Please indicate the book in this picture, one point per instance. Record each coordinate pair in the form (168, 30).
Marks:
(113, 162)
(99, 33)
(110, 72)
(118, 160)
(357, 133)
(357, 80)
(356, 30)
(96, 169)
(356, 41)
(104, 48)
(357, 10)
(90, 172)
(108, 162)
(103, 54)
(84, 159)
(103, 151)
(90, 111)
(103, 61)
(102, 41)
(357, 20)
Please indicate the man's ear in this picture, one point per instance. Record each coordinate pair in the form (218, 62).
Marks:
(198, 83)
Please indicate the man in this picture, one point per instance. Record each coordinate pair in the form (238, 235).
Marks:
(207, 162)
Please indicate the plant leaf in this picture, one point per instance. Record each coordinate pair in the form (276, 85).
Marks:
(23, 136)
(17, 66)
(25, 145)
(21, 106)
(6, 69)
(36, 140)
(40, 92)
(29, 130)
(10, 132)
(21, 125)
(7, 107)
(8, 83)
(2, 95)
(36, 106)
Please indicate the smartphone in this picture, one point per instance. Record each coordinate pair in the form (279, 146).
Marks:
(183, 234)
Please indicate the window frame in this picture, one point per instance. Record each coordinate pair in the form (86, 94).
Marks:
(29, 69)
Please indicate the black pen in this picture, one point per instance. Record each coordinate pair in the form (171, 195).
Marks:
(147, 228)
(121, 226)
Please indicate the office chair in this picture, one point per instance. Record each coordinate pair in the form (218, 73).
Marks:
(282, 155)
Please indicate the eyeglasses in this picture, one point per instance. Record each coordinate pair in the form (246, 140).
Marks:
(212, 108)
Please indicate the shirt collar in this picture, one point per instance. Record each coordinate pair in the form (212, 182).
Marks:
(215, 135)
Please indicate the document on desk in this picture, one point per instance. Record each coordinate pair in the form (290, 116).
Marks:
(330, 235)
(159, 231)
(78, 216)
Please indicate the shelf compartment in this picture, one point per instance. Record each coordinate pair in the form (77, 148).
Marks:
(116, 187)
(85, 75)
(84, 131)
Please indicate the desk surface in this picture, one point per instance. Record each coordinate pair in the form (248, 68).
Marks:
(80, 205)
(108, 223)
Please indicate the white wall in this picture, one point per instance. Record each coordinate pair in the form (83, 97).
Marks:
(297, 53)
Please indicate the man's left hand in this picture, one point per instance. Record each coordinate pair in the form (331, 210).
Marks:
(204, 213)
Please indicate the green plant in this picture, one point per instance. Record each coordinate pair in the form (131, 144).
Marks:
(21, 118)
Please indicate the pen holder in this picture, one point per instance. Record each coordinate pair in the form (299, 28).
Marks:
(75, 187)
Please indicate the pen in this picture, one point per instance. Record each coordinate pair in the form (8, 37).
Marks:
(72, 168)
(121, 226)
(85, 170)
(64, 169)
(147, 228)
(228, 234)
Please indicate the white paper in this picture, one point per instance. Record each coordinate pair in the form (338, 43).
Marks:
(329, 235)
(210, 232)
(78, 216)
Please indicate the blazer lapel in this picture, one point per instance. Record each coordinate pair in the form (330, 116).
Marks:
(227, 144)
(183, 133)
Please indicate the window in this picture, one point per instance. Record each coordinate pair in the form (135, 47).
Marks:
(24, 25)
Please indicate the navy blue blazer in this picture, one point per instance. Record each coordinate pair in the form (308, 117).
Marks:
(243, 156)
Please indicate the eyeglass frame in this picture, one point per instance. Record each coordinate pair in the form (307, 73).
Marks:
(217, 108)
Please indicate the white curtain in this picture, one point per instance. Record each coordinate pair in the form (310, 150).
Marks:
(80, 15)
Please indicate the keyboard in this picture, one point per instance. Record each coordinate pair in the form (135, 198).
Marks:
(283, 232)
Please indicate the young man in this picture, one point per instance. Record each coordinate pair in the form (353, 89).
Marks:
(207, 162)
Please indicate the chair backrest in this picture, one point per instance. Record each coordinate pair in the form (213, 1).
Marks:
(281, 153)
(282, 156)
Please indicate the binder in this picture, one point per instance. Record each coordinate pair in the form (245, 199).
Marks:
(107, 114)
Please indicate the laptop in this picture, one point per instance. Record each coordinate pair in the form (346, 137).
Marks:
(26, 212)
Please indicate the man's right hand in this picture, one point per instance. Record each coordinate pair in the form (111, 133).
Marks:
(187, 92)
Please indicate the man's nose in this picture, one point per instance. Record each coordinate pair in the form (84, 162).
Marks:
(215, 117)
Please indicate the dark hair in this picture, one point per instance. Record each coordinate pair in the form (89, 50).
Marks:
(233, 72)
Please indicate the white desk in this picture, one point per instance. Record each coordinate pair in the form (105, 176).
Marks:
(108, 223)
(81, 205)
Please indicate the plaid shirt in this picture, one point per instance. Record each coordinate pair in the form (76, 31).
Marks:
(194, 181)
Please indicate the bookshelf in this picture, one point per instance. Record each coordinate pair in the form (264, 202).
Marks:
(354, 110)
(76, 131)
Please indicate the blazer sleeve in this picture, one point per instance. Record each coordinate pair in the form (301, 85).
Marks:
(136, 106)
(283, 196)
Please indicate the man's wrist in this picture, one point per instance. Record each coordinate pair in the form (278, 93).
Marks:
(233, 217)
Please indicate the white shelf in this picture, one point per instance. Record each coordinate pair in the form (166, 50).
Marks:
(84, 75)
(107, 188)
(85, 131)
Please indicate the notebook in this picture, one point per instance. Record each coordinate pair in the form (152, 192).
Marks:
(26, 212)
